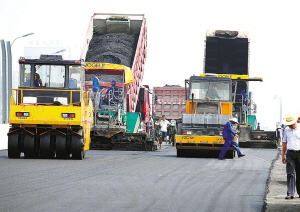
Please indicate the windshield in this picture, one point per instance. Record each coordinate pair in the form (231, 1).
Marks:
(76, 73)
(51, 76)
(207, 90)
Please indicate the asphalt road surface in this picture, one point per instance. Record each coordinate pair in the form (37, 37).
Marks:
(135, 181)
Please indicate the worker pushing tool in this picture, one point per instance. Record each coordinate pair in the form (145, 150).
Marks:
(229, 135)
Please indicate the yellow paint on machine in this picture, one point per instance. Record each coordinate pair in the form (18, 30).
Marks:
(52, 115)
(199, 139)
(98, 66)
(41, 114)
(234, 76)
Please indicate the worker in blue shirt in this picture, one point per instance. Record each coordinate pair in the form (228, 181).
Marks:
(228, 135)
(96, 83)
(242, 92)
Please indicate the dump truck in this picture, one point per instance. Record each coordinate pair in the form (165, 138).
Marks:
(50, 112)
(115, 46)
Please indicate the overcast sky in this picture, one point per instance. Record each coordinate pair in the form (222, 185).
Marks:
(176, 33)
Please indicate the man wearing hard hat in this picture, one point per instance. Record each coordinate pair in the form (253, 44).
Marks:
(291, 154)
(228, 135)
(96, 83)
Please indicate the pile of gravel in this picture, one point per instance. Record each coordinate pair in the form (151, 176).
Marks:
(115, 48)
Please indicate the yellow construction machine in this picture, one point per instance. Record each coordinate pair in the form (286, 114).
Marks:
(50, 113)
(208, 108)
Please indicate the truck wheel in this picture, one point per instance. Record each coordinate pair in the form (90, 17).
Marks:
(46, 150)
(30, 150)
(179, 153)
(61, 147)
(77, 148)
(13, 146)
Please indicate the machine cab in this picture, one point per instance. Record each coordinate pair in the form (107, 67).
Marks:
(50, 79)
(51, 72)
(209, 89)
(209, 95)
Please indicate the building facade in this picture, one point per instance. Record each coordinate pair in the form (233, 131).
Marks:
(169, 101)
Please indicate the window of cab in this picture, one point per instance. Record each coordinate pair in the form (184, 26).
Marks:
(208, 90)
(51, 76)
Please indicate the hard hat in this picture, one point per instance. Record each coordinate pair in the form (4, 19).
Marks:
(113, 83)
(173, 122)
(290, 119)
(98, 73)
(234, 120)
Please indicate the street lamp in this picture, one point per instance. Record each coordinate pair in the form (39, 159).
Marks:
(21, 37)
(7, 75)
(280, 100)
(59, 51)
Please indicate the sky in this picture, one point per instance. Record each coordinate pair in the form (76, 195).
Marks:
(176, 34)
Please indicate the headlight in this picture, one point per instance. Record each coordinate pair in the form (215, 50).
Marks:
(187, 132)
(68, 115)
(22, 114)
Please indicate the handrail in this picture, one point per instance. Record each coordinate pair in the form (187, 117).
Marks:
(83, 97)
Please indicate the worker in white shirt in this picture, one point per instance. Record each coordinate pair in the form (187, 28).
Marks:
(163, 129)
(291, 154)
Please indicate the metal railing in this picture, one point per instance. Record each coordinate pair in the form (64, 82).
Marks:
(17, 97)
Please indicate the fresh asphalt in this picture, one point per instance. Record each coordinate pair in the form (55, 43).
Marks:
(136, 181)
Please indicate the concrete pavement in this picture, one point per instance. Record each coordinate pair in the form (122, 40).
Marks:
(276, 188)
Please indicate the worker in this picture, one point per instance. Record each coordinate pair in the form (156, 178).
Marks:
(37, 80)
(242, 92)
(164, 124)
(291, 154)
(96, 83)
(150, 125)
(258, 126)
(113, 92)
(278, 130)
(212, 93)
(229, 135)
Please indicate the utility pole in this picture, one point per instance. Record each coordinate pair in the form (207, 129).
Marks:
(3, 81)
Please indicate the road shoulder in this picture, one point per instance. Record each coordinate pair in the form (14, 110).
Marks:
(277, 190)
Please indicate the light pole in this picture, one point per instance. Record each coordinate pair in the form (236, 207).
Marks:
(280, 101)
(59, 51)
(21, 37)
(7, 77)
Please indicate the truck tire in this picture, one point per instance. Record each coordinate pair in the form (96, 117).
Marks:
(30, 150)
(77, 148)
(61, 147)
(13, 146)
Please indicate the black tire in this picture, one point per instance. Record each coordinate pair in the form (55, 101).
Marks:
(180, 152)
(13, 146)
(30, 150)
(46, 149)
(77, 148)
(61, 147)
